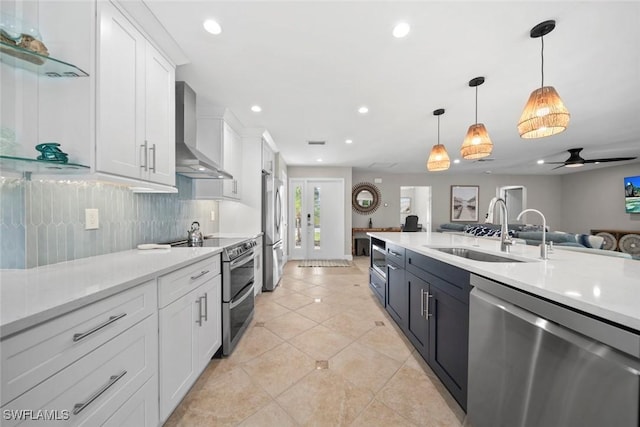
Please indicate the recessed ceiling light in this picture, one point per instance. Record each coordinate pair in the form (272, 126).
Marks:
(348, 141)
(318, 160)
(256, 108)
(401, 30)
(363, 110)
(212, 26)
(541, 162)
(456, 161)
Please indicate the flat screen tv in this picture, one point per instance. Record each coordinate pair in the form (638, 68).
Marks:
(632, 194)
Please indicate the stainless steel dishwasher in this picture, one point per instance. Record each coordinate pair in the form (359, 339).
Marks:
(536, 363)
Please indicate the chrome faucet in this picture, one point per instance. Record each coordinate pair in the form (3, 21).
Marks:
(505, 240)
(543, 246)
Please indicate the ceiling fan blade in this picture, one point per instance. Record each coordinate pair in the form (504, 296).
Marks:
(610, 159)
(558, 167)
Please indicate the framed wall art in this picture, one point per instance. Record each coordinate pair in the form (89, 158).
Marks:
(464, 203)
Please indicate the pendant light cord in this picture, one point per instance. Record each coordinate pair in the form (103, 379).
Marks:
(476, 104)
(542, 56)
(438, 130)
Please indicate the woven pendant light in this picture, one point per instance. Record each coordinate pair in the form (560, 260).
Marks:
(477, 144)
(545, 113)
(438, 158)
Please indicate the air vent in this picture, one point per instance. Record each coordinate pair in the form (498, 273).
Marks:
(382, 165)
(316, 142)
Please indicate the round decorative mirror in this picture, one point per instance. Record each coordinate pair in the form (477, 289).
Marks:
(365, 198)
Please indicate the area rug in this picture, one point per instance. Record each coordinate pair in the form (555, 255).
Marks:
(324, 263)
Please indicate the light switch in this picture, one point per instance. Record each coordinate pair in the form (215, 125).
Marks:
(91, 219)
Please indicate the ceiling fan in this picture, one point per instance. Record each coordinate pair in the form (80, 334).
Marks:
(575, 160)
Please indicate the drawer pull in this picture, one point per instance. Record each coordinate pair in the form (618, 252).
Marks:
(110, 320)
(392, 267)
(197, 276)
(395, 254)
(79, 407)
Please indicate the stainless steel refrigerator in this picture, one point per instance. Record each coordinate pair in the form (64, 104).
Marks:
(272, 223)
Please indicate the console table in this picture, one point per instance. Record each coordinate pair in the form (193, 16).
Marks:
(361, 233)
(617, 235)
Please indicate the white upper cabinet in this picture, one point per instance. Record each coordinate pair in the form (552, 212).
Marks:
(218, 140)
(135, 103)
(232, 162)
(268, 158)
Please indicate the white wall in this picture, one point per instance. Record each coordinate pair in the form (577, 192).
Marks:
(543, 193)
(595, 200)
(334, 172)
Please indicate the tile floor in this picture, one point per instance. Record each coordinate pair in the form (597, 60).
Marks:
(321, 351)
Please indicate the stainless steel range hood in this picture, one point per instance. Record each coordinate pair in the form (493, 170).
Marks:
(190, 161)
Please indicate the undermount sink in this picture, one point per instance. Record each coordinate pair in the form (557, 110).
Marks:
(476, 255)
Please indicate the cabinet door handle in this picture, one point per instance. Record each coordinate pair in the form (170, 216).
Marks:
(199, 302)
(206, 307)
(395, 254)
(153, 148)
(79, 407)
(197, 276)
(145, 156)
(392, 267)
(421, 301)
(426, 303)
(110, 320)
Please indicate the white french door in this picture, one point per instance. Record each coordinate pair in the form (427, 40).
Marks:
(317, 218)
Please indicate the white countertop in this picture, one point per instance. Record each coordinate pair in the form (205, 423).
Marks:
(607, 287)
(32, 296)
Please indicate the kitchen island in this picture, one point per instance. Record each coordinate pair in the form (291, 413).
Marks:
(514, 338)
(605, 287)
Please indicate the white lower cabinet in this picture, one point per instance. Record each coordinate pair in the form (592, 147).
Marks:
(190, 333)
(140, 410)
(89, 391)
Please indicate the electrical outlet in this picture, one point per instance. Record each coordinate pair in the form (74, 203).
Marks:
(91, 219)
(213, 215)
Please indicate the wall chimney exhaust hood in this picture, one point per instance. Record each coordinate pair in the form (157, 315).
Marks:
(190, 161)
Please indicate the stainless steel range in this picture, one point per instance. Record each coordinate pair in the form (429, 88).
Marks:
(237, 286)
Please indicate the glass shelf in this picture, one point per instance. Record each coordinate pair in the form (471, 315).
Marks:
(43, 65)
(22, 164)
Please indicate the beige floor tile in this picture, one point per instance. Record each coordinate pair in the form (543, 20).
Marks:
(295, 284)
(364, 367)
(317, 291)
(268, 310)
(271, 415)
(386, 340)
(319, 311)
(279, 368)
(289, 325)
(320, 342)
(412, 393)
(294, 300)
(324, 398)
(229, 399)
(182, 417)
(379, 414)
(349, 324)
(254, 342)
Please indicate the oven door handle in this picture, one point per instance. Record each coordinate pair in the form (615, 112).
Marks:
(249, 288)
(245, 258)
